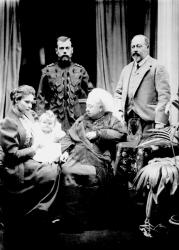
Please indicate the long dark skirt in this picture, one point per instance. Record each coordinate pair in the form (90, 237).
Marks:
(31, 187)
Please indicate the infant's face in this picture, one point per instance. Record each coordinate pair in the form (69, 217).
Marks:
(47, 126)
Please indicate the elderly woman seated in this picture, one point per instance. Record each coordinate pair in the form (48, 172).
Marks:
(90, 143)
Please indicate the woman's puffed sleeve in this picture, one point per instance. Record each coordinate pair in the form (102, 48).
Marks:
(67, 143)
(9, 137)
(114, 131)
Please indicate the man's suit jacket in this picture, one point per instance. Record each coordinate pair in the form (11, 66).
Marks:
(151, 90)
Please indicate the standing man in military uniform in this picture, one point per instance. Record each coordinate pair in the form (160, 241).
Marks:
(62, 84)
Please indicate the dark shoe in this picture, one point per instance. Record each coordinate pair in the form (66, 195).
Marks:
(57, 225)
(160, 231)
(56, 220)
(174, 219)
(150, 231)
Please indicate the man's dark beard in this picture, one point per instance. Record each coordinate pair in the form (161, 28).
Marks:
(64, 61)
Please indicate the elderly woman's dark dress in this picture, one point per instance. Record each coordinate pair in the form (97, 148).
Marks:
(99, 153)
(30, 186)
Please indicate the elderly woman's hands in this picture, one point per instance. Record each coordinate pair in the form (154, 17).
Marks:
(91, 135)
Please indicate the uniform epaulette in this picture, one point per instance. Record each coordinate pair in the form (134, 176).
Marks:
(78, 65)
(47, 68)
(50, 65)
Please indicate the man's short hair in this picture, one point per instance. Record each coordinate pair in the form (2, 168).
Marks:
(63, 38)
(146, 39)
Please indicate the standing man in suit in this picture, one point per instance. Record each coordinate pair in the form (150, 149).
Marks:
(143, 90)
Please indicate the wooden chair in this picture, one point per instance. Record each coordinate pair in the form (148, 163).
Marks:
(82, 105)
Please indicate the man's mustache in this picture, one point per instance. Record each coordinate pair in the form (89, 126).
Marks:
(64, 56)
(135, 54)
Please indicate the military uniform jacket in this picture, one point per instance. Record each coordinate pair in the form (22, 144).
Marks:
(60, 90)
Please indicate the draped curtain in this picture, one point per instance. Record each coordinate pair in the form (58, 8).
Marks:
(117, 21)
(10, 51)
(110, 42)
(168, 46)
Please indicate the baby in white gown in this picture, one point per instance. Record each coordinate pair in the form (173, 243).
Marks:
(48, 133)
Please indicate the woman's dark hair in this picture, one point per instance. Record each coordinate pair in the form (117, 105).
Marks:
(21, 91)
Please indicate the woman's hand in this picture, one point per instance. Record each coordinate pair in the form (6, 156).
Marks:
(36, 146)
(64, 156)
(91, 135)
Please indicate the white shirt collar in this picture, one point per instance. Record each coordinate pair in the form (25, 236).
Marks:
(142, 61)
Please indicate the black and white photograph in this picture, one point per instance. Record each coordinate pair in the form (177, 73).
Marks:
(89, 124)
